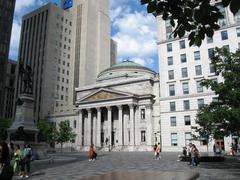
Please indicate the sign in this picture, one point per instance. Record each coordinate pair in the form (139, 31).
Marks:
(67, 4)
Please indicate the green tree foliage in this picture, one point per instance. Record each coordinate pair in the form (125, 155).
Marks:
(222, 117)
(47, 131)
(199, 17)
(65, 133)
(4, 125)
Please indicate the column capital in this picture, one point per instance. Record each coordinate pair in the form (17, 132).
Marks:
(120, 107)
(89, 110)
(109, 108)
(131, 106)
(98, 109)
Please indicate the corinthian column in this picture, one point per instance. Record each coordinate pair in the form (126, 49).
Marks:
(110, 125)
(98, 144)
(80, 127)
(89, 127)
(131, 107)
(120, 126)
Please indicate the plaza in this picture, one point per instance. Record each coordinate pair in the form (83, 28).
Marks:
(76, 166)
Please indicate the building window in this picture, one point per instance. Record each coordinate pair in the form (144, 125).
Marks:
(238, 31)
(237, 17)
(171, 90)
(185, 87)
(183, 58)
(214, 99)
(212, 68)
(74, 124)
(168, 29)
(172, 106)
(169, 47)
(61, 97)
(224, 35)
(186, 105)
(197, 55)
(184, 72)
(170, 74)
(210, 53)
(143, 136)
(226, 47)
(174, 139)
(222, 21)
(198, 70)
(182, 44)
(200, 103)
(173, 121)
(142, 113)
(188, 138)
(209, 39)
(187, 120)
(170, 60)
(199, 87)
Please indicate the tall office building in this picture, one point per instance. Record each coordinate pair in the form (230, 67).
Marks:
(66, 48)
(6, 19)
(181, 70)
(113, 53)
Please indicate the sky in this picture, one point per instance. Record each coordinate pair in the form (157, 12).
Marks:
(131, 26)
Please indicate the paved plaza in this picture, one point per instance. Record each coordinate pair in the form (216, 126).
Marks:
(76, 166)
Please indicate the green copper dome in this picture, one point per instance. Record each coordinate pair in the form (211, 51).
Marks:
(125, 69)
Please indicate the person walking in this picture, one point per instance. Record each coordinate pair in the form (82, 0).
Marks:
(91, 153)
(158, 150)
(17, 159)
(27, 153)
(6, 171)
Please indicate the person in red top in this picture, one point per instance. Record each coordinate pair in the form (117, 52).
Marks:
(91, 153)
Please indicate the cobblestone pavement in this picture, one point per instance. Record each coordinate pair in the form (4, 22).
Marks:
(79, 166)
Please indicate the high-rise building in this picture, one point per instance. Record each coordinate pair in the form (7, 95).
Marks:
(66, 48)
(6, 19)
(11, 76)
(113, 52)
(181, 70)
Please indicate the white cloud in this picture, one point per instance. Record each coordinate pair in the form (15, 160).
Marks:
(23, 6)
(136, 36)
(16, 29)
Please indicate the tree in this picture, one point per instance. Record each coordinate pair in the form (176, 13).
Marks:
(222, 117)
(65, 134)
(47, 131)
(199, 17)
(4, 125)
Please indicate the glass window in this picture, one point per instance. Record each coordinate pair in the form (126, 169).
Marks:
(183, 58)
(142, 113)
(184, 72)
(237, 17)
(200, 103)
(74, 124)
(171, 90)
(199, 87)
(185, 87)
(224, 35)
(238, 31)
(226, 47)
(174, 139)
(168, 29)
(210, 53)
(172, 106)
(209, 39)
(197, 55)
(187, 120)
(186, 105)
(169, 47)
(182, 44)
(212, 68)
(222, 21)
(170, 60)
(214, 99)
(170, 74)
(143, 136)
(188, 138)
(198, 70)
(173, 121)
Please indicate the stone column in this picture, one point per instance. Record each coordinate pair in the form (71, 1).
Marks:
(149, 135)
(125, 129)
(120, 126)
(94, 130)
(80, 128)
(132, 132)
(109, 125)
(98, 143)
(137, 126)
(89, 127)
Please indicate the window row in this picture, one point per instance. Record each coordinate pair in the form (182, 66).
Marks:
(62, 88)
(187, 121)
(63, 62)
(184, 71)
(174, 138)
(63, 80)
(186, 104)
(63, 71)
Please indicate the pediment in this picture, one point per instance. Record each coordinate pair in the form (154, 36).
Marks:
(104, 94)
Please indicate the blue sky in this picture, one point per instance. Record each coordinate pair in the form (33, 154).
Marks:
(132, 28)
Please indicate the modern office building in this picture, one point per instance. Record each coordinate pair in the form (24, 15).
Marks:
(181, 70)
(66, 48)
(6, 19)
(10, 83)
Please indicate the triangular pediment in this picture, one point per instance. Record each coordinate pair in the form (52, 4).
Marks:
(105, 94)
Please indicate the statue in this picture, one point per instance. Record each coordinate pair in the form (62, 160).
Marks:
(26, 77)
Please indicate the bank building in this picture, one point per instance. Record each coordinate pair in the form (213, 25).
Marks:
(120, 111)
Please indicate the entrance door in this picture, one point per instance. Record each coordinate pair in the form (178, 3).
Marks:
(220, 143)
(113, 138)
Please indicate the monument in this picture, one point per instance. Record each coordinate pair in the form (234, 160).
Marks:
(23, 130)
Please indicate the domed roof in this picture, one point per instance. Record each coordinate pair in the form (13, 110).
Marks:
(125, 69)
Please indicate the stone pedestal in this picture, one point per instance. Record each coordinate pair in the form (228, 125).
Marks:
(23, 127)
